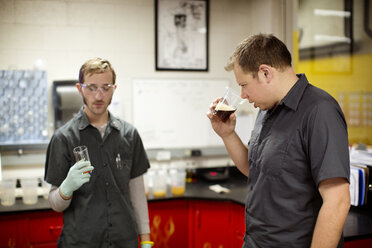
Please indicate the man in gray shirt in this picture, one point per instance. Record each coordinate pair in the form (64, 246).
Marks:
(107, 207)
(297, 159)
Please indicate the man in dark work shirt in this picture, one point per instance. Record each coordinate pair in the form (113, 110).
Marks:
(107, 208)
(297, 159)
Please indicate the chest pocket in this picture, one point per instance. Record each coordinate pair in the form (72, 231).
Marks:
(273, 153)
(121, 171)
(252, 146)
(254, 170)
(121, 163)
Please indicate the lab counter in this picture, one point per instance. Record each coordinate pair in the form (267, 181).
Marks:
(358, 224)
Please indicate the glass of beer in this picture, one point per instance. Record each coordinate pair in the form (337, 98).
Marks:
(81, 154)
(228, 104)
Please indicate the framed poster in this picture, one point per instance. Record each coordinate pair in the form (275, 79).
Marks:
(181, 35)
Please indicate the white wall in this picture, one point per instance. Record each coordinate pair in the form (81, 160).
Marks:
(65, 33)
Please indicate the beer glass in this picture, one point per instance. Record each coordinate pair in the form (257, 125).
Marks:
(81, 154)
(228, 104)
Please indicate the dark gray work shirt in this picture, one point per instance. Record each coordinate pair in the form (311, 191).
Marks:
(293, 147)
(100, 213)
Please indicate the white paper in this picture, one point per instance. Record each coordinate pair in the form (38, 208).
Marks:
(354, 186)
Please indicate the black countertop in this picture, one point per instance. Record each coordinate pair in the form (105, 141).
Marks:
(358, 224)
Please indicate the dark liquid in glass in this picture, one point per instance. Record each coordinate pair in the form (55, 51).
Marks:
(224, 114)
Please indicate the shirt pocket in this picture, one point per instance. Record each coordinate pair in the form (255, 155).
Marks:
(121, 171)
(252, 146)
(273, 155)
(254, 137)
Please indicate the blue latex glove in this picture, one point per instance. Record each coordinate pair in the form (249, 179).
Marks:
(147, 244)
(77, 176)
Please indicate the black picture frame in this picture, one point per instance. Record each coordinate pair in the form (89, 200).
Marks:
(181, 35)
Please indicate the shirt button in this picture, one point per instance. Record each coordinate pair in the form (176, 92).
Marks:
(107, 184)
(104, 165)
(110, 225)
(109, 204)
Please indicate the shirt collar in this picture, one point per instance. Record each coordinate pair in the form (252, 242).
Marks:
(83, 119)
(293, 97)
(114, 122)
(84, 122)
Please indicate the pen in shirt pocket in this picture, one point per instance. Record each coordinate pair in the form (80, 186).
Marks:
(118, 162)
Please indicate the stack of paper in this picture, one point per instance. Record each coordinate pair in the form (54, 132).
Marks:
(359, 174)
(361, 156)
(358, 184)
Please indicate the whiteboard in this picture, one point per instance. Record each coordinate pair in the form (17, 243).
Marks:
(171, 113)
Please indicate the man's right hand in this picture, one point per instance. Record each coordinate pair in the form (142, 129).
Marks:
(77, 176)
(223, 129)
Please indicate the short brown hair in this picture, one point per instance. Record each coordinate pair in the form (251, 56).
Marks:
(96, 65)
(260, 49)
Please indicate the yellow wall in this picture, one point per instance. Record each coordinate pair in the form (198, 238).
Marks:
(348, 79)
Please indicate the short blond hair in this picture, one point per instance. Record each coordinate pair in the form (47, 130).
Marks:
(96, 65)
(257, 50)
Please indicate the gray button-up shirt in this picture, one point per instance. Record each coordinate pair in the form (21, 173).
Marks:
(100, 213)
(293, 147)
